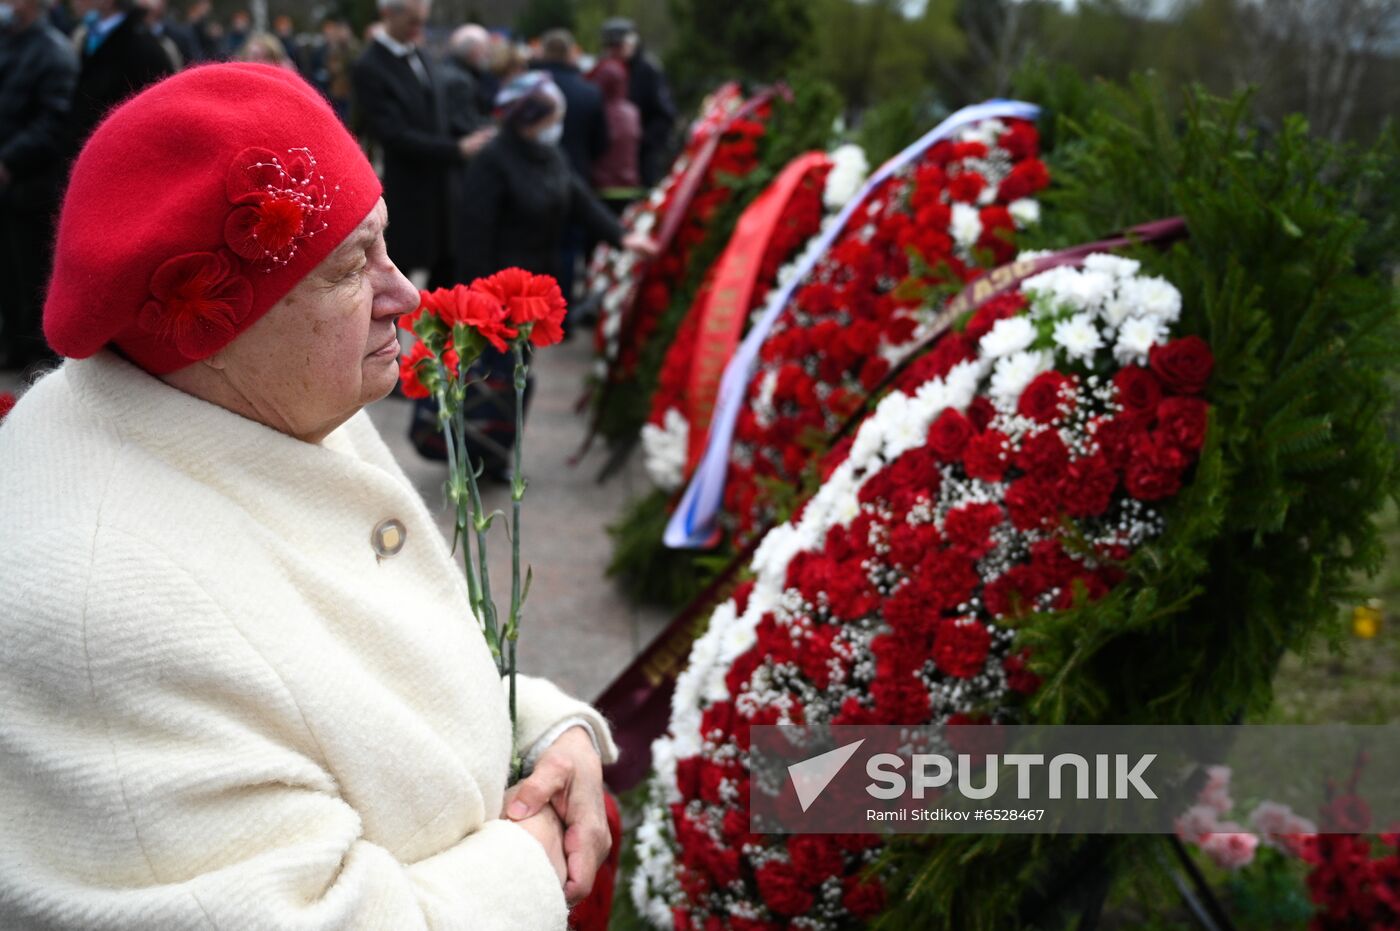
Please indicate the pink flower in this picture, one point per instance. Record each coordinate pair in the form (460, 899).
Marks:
(1216, 793)
(1231, 847)
(1196, 824)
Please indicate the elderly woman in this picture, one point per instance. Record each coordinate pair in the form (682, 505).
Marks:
(240, 683)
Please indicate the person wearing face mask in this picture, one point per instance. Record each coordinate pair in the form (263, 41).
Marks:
(38, 69)
(518, 196)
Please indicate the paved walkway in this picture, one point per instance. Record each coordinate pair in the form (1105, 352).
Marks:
(577, 631)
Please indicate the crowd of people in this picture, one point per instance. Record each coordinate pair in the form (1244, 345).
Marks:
(492, 152)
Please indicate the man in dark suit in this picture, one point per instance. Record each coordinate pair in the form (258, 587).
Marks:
(38, 70)
(401, 98)
(117, 57)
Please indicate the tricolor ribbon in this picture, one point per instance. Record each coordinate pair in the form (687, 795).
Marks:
(692, 526)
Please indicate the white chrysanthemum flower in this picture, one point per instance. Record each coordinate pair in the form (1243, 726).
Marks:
(1014, 372)
(849, 166)
(666, 450)
(1119, 307)
(1008, 336)
(1049, 289)
(963, 380)
(771, 558)
(1154, 297)
(1088, 290)
(1027, 255)
(908, 431)
(644, 223)
(1024, 212)
(1136, 337)
(866, 446)
(986, 132)
(966, 225)
(1110, 264)
(931, 398)
(1078, 337)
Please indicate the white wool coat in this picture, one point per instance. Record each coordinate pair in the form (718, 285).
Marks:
(218, 707)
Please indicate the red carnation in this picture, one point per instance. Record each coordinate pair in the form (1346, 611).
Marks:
(986, 456)
(474, 309)
(863, 898)
(1086, 489)
(1019, 677)
(1183, 422)
(200, 303)
(533, 300)
(1020, 140)
(1154, 472)
(1046, 397)
(7, 404)
(969, 528)
(1031, 503)
(1043, 456)
(1023, 180)
(1184, 365)
(781, 890)
(961, 646)
(1139, 392)
(815, 858)
(409, 378)
(966, 186)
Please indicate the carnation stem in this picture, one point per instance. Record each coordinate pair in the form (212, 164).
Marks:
(457, 490)
(517, 494)
(480, 524)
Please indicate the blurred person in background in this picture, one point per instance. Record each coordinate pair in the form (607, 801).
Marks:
(159, 25)
(585, 133)
(117, 56)
(265, 48)
(38, 72)
(330, 62)
(518, 196)
(400, 97)
(467, 108)
(286, 32)
(205, 39)
(509, 60)
(472, 50)
(647, 88)
(616, 176)
(240, 26)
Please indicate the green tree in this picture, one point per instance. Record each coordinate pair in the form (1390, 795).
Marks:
(757, 41)
(540, 16)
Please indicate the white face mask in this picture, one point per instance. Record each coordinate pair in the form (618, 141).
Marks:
(551, 135)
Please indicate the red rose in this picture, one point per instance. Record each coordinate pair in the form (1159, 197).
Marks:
(987, 456)
(961, 646)
(1046, 398)
(981, 411)
(1139, 392)
(1184, 365)
(781, 890)
(949, 434)
(1183, 422)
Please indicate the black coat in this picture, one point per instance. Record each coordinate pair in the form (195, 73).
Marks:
(585, 123)
(517, 198)
(647, 88)
(38, 71)
(462, 96)
(126, 61)
(420, 153)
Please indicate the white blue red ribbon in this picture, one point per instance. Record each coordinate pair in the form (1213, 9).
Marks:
(693, 524)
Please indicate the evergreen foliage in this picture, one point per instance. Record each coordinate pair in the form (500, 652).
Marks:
(1283, 276)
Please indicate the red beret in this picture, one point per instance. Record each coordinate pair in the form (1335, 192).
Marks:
(194, 207)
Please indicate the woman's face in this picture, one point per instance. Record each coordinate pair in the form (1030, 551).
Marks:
(330, 346)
